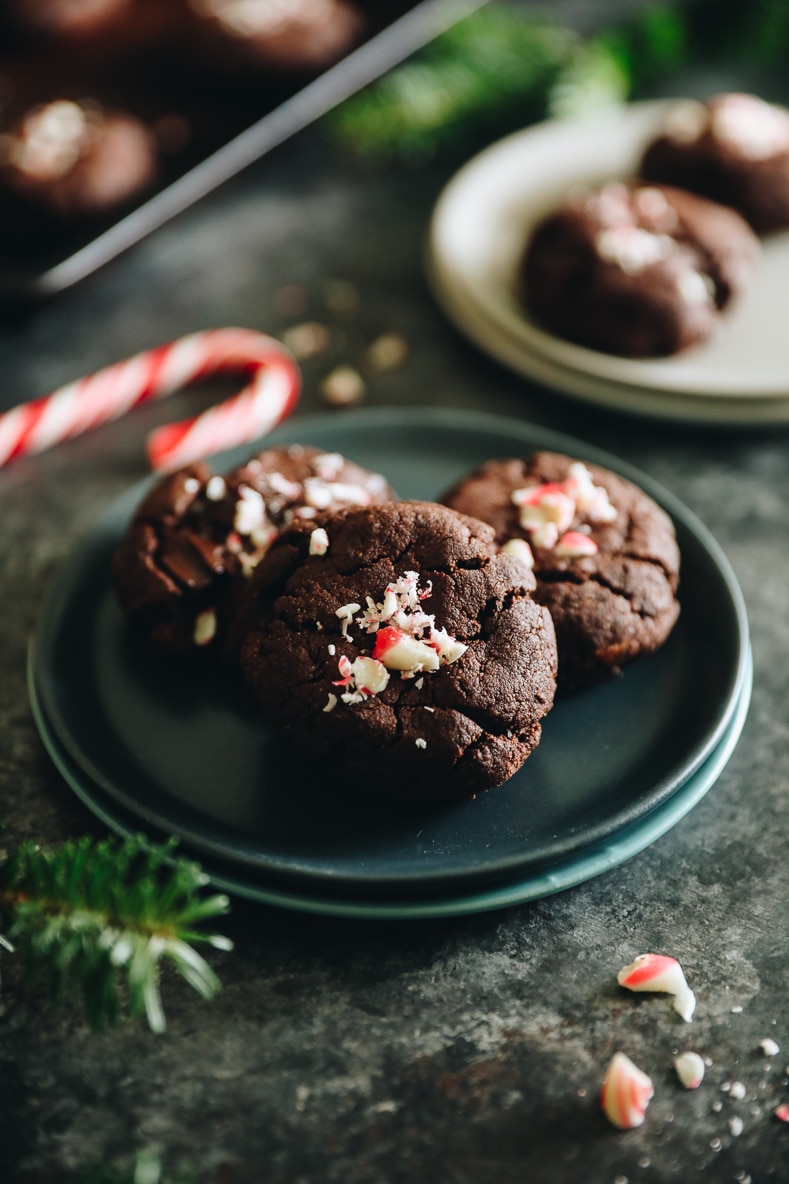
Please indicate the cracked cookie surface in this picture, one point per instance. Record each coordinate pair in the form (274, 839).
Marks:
(606, 559)
(197, 536)
(409, 657)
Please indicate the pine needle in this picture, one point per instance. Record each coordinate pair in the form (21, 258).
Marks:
(91, 914)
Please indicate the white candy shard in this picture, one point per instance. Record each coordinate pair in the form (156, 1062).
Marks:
(369, 675)
(769, 1047)
(205, 627)
(398, 651)
(319, 541)
(658, 972)
(250, 511)
(690, 1069)
(449, 649)
(519, 549)
(625, 1093)
(215, 488)
(574, 545)
(331, 702)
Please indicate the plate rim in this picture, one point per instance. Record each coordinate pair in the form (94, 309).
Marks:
(494, 340)
(527, 435)
(445, 271)
(561, 877)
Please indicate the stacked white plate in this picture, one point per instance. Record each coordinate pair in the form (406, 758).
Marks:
(479, 229)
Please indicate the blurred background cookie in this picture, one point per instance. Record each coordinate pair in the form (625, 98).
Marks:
(636, 270)
(287, 36)
(75, 159)
(733, 149)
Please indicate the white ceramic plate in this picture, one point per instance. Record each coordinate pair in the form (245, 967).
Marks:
(477, 235)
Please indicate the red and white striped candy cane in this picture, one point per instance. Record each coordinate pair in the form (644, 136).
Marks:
(269, 396)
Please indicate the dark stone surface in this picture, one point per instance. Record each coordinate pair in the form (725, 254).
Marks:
(461, 1050)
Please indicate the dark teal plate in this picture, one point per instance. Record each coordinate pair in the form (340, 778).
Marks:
(182, 756)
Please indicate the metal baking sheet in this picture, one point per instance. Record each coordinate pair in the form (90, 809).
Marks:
(231, 126)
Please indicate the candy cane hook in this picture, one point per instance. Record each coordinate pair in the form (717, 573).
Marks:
(269, 396)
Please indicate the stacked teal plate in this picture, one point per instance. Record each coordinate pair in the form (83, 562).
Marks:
(149, 748)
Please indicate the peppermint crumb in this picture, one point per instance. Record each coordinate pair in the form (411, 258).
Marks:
(420, 682)
(715, 1145)
(191, 485)
(341, 297)
(331, 702)
(736, 1125)
(205, 627)
(430, 709)
(737, 1090)
(736, 1010)
(342, 387)
(387, 352)
(782, 1112)
(420, 743)
(717, 1107)
(306, 340)
(319, 626)
(769, 1047)
(332, 649)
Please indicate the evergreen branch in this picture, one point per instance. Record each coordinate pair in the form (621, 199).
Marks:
(499, 69)
(88, 911)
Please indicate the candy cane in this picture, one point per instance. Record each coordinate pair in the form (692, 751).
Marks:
(270, 395)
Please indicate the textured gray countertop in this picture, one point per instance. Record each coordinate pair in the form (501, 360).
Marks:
(458, 1050)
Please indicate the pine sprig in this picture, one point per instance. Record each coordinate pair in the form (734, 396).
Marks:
(494, 70)
(90, 912)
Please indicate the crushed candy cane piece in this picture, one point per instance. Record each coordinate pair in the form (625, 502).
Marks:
(346, 614)
(386, 353)
(319, 541)
(625, 1093)
(658, 972)
(737, 1090)
(250, 512)
(331, 702)
(215, 488)
(420, 743)
(342, 387)
(370, 675)
(769, 1047)
(690, 1069)
(399, 651)
(573, 545)
(736, 1125)
(782, 1112)
(205, 627)
(519, 549)
(547, 511)
(447, 647)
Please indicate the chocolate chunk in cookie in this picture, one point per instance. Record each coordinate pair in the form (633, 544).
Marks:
(604, 555)
(408, 656)
(641, 271)
(197, 537)
(733, 149)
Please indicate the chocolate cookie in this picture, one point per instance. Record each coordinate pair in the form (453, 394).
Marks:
(75, 160)
(197, 537)
(636, 270)
(409, 656)
(286, 36)
(605, 556)
(733, 149)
